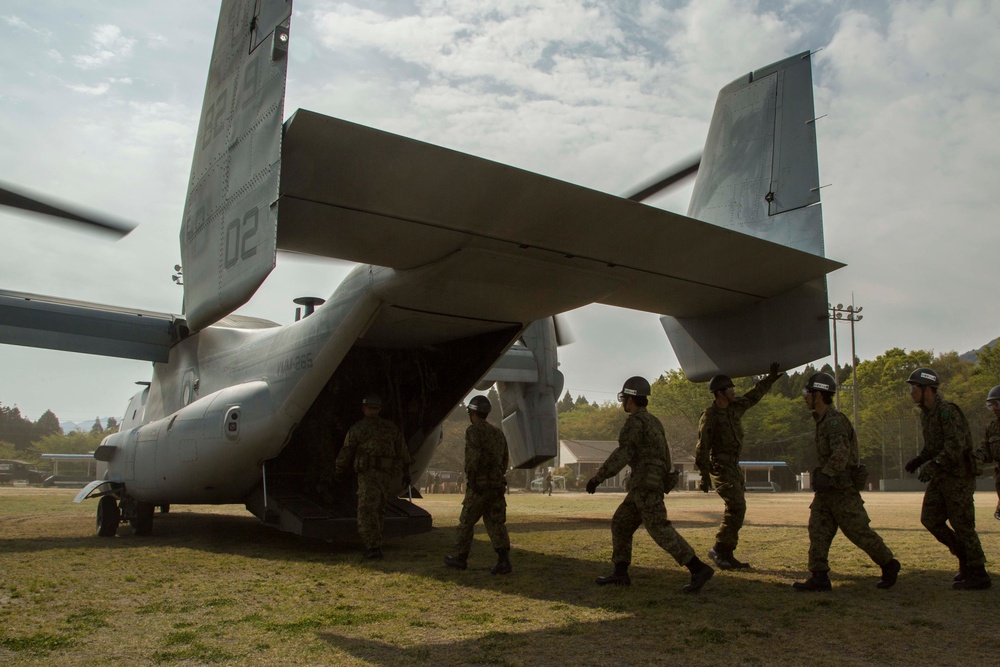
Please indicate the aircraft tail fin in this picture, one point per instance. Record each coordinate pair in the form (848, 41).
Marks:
(228, 233)
(529, 383)
(760, 175)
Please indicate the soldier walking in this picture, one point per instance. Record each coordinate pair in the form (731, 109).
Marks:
(950, 470)
(838, 502)
(643, 446)
(486, 462)
(989, 449)
(374, 447)
(717, 455)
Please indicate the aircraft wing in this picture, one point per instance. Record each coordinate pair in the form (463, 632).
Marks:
(48, 322)
(356, 193)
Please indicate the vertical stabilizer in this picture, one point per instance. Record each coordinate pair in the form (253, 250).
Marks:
(229, 228)
(760, 176)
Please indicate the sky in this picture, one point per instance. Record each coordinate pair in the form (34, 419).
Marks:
(99, 106)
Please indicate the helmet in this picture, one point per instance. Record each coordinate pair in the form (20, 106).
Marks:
(925, 377)
(994, 394)
(821, 382)
(480, 405)
(372, 401)
(634, 386)
(719, 382)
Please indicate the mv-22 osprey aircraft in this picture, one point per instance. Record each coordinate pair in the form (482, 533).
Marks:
(464, 264)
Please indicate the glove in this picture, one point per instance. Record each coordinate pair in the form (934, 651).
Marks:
(927, 472)
(823, 482)
(913, 464)
(706, 483)
(592, 485)
(775, 373)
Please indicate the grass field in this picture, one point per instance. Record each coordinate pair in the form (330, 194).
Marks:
(212, 586)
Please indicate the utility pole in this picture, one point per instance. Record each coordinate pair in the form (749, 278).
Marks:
(849, 314)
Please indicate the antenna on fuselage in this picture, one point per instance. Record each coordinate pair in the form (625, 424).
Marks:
(310, 303)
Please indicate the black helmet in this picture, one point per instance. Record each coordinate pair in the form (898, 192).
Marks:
(719, 382)
(994, 394)
(480, 405)
(372, 401)
(925, 377)
(822, 382)
(634, 386)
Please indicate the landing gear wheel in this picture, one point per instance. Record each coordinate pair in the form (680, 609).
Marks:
(142, 524)
(108, 516)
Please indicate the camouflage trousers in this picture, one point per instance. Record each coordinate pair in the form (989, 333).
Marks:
(996, 482)
(373, 495)
(843, 509)
(729, 484)
(646, 508)
(948, 499)
(491, 507)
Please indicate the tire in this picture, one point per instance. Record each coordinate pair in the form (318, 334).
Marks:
(108, 516)
(142, 524)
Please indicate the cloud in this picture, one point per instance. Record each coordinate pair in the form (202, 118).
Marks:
(20, 24)
(108, 44)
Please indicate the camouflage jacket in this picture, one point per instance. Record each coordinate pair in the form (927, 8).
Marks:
(989, 447)
(720, 433)
(947, 439)
(836, 446)
(373, 444)
(642, 445)
(486, 457)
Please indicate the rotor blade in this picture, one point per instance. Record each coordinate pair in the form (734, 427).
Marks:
(674, 175)
(24, 202)
(564, 333)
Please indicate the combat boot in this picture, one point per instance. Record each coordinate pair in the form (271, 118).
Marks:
(700, 573)
(976, 579)
(890, 572)
(737, 564)
(459, 562)
(719, 555)
(963, 570)
(819, 581)
(503, 563)
(373, 554)
(619, 577)
(996, 513)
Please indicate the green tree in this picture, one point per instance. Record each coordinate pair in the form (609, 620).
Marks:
(15, 428)
(97, 429)
(566, 404)
(111, 426)
(47, 424)
(75, 442)
(8, 451)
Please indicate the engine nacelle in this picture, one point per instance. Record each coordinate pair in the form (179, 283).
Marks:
(178, 459)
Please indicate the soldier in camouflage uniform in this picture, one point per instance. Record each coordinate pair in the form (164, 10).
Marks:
(838, 502)
(989, 448)
(950, 471)
(486, 462)
(642, 445)
(717, 455)
(375, 450)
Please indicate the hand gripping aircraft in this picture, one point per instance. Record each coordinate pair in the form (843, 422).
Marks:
(463, 263)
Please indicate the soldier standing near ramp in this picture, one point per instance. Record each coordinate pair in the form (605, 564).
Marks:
(375, 448)
(643, 446)
(989, 449)
(717, 455)
(950, 470)
(486, 462)
(838, 502)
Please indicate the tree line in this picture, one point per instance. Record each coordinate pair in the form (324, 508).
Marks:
(24, 439)
(780, 428)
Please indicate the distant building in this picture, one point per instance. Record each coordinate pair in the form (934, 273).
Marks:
(584, 457)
